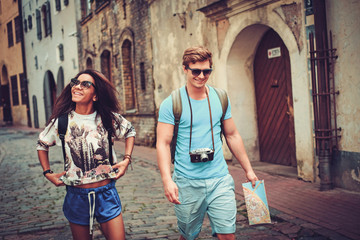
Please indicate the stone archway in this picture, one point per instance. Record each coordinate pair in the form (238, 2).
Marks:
(237, 59)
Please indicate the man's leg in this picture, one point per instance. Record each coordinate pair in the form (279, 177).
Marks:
(191, 212)
(222, 208)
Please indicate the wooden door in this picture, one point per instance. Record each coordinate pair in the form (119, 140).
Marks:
(274, 101)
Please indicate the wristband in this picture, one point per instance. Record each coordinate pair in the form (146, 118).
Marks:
(47, 171)
(128, 156)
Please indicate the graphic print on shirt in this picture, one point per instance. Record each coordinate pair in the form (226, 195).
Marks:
(87, 155)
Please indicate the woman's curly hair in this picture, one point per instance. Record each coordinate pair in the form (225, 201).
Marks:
(106, 100)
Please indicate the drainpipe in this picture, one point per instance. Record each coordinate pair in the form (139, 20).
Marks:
(24, 65)
(324, 100)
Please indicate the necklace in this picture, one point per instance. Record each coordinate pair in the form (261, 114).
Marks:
(212, 132)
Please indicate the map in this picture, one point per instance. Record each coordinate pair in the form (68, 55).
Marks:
(256, 203)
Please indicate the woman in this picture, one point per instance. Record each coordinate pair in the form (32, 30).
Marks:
(90, 103)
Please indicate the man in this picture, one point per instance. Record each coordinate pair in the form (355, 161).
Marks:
(199, 187)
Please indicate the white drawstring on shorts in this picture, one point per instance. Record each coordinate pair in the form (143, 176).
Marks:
(91, 209)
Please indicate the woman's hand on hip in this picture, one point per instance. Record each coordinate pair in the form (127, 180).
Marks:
(55, 178)
(121, 168)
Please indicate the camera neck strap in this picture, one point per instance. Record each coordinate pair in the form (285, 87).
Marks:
(191, 120)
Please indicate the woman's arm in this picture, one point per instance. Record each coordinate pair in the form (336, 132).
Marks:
(45, 164)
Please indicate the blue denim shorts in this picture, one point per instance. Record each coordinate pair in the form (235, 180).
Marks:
(82, 205)
(215, 196)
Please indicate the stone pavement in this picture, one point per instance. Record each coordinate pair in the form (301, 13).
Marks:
(31, 207)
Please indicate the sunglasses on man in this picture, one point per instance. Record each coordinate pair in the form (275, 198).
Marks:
(196, 72)
(84, 84)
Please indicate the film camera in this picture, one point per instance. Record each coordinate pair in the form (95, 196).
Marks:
(201, 155)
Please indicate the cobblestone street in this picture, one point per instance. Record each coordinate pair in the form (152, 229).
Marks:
(31, 207)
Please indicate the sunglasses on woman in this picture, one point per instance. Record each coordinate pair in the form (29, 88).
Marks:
(84, 84)
(196, 72)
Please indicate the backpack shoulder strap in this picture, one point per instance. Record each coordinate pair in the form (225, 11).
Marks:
(62, 128)
(177, 110)
(224, 104)
(109, 130)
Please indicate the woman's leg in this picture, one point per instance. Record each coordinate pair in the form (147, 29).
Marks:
(114, 229)
(80, 232)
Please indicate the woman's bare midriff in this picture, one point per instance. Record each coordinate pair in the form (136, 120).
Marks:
(96, 184)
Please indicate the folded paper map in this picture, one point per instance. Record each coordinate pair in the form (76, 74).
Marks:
(256, 203)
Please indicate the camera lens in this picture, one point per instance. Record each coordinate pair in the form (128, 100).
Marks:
(204, 157)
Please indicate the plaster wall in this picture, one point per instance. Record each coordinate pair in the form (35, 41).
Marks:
(343, 20)
(11, 58)
(175, 26)
(46, 50)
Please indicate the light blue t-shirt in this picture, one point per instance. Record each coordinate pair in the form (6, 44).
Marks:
(201, 135)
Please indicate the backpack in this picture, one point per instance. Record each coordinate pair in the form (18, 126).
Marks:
(62, 128)
(177, 110)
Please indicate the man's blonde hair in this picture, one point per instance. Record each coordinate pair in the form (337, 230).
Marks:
(196, 54)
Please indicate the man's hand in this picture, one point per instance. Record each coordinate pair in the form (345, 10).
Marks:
(55, 178)
(171, 192)
(251, 177)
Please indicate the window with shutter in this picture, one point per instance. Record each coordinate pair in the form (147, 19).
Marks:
(23, 89)
(58, 5)
(38, 24)
(127, 72)
(25, 25)
(10, 34)
(36, 63)
(18, 32)
(30, 22)
(48, 18)
(89, 64)
(14, 90)
(61, 52)
(142, 76)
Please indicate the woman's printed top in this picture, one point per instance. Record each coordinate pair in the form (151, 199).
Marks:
(86, 146)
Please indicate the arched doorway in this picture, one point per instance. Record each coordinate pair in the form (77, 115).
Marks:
(273, 90)
(5, 96)
(49, 94)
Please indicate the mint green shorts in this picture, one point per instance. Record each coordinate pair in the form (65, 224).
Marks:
(215, 196)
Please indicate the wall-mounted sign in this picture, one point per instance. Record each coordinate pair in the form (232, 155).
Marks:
(274, 52)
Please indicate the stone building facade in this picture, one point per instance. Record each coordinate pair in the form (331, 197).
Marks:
(115, 39)
(261, 56)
